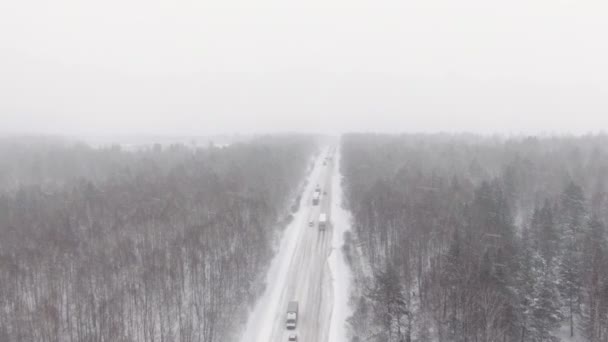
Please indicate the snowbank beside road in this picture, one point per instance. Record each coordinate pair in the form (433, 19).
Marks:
(340, 271)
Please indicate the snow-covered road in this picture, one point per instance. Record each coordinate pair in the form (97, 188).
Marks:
(300, 271)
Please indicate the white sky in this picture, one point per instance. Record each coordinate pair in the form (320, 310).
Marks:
(230, 66)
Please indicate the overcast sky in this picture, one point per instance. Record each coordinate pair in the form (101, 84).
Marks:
(232, 66)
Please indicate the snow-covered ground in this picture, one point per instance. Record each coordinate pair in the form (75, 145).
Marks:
(340, 270)
(563, 334)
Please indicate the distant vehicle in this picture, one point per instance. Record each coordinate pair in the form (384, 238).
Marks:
(322, 221)
(293, 337)
(292, 315)
(316, 196)
(311, 223)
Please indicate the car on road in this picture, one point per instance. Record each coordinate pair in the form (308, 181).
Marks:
(311, 223)
(293, 337)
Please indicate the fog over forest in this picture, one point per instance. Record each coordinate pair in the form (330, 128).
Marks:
(442, 237)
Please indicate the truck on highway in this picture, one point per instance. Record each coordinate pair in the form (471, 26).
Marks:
(322, 221)
(316, 196)
(292, 315)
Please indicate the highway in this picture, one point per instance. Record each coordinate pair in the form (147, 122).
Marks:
(300, 270)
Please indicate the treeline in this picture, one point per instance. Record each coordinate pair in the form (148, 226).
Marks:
(165, 244)
(465, 238)
(51, 162)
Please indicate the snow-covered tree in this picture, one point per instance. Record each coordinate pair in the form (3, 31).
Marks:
(572, 221)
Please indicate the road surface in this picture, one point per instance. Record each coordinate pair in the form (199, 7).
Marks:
(299, 271)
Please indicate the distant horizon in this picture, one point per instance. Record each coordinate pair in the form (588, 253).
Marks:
(182, 67)
(161, 135)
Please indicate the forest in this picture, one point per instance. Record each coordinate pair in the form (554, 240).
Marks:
(166, 243)
(478, 239)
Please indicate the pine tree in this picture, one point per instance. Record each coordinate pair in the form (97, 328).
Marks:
(594, 304)
(389, 303)
(545, 231)
(452, 278)
(525, 279)
(546, 313)
(572, 218)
